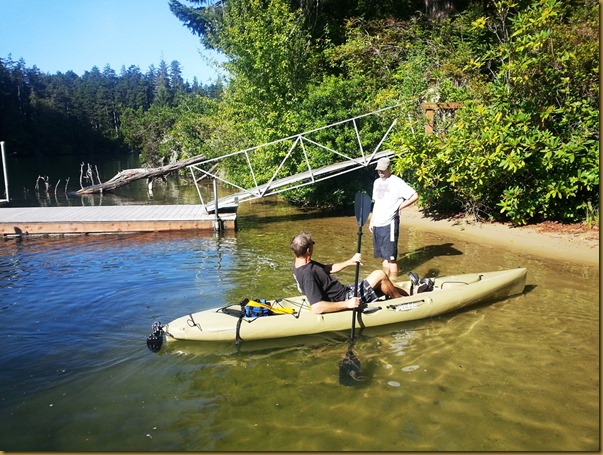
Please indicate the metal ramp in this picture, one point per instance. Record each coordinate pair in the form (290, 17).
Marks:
(300, 150)
(288, 183)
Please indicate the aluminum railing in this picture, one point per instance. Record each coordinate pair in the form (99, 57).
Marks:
(296, 153)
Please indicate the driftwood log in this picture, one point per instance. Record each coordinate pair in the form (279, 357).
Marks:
(131, 175)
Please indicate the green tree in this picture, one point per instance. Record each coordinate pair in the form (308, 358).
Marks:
(175, 77)
(527, 150)
(269, 66)
(132, 89)
(162, 92)
(145, 131)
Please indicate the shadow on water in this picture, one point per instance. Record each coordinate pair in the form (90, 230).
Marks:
(418, 256)
(253, 349)
(274, 211)
(529, 288)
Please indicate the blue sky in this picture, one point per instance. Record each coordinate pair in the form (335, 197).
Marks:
(62, 35)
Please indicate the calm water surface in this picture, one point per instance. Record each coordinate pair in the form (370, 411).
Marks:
(518, 374)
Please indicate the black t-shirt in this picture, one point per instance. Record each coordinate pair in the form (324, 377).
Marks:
(317, 285)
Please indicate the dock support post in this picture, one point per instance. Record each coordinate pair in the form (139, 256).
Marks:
(4, 170)
(217, 221)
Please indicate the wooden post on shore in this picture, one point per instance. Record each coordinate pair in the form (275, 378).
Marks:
(431, 109)
(217, 222)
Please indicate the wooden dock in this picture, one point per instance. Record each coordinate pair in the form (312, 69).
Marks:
(21, 221)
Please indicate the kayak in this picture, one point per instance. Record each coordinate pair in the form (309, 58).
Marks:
(292, 316)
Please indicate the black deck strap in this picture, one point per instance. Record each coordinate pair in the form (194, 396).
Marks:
(238, 338)
(359, 319)
(194, 323)
(365, 309)
(238, 331)
(370, 309)
(229, 311)
(301, 306)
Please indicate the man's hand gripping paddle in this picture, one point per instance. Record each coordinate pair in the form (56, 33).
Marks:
(349, 367)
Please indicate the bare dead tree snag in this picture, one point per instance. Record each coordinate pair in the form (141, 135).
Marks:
(97, 174)
(81, 174)
(131, 175)
(46, 182)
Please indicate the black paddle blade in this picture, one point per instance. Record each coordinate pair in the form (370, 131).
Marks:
(362, 207)
(349, 370)
(155, 339)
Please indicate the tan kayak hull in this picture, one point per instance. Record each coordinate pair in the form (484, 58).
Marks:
(450, 293)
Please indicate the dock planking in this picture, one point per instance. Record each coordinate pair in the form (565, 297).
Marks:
(109, 219)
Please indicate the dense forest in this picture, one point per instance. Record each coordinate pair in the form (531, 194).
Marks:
(67, 113)
(523, 146)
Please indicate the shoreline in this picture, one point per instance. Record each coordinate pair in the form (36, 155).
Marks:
(570, 243)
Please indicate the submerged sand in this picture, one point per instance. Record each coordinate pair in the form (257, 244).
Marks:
(575, 243)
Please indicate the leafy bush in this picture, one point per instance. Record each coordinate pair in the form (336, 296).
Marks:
(524, 147)
(528, 150)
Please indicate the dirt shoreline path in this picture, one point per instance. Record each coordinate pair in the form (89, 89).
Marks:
(552, 240)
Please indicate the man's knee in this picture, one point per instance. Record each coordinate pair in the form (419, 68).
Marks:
(376, 277)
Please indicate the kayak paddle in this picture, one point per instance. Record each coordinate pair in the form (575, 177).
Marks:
(362, 208)
(349, 367)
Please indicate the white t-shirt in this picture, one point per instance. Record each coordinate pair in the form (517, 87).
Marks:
(388, 195)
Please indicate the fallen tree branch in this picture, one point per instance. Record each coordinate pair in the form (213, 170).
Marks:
(131, 175)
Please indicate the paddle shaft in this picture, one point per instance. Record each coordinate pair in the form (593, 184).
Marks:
(353, 333)
(362, 207)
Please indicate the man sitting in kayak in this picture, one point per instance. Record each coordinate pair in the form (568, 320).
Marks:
(324, 292)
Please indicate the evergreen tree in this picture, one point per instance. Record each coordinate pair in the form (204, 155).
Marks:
(162, 91)
(176, 81)
(132, 89)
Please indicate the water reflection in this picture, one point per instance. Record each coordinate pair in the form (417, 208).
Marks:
(516, 374)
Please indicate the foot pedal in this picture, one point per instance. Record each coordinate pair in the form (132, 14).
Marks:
(425, 285)
(414, 278)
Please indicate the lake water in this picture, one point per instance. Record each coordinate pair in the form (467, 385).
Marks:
(521, 374)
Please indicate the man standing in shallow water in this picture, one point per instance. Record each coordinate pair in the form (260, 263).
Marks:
(391, 194)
